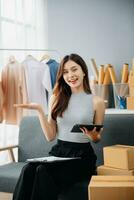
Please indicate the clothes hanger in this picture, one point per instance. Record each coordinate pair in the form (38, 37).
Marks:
(12, 59)
(30, 56)
(45, 57)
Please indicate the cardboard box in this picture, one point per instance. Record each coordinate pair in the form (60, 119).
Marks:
(130, 102)
(103, 170)
(119, 156)
(111, 188)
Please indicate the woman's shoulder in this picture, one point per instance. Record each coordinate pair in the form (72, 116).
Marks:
(98, 101)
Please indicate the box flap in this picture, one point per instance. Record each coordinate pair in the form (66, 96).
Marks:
(119, 146)
(113, 178)
(112, 181)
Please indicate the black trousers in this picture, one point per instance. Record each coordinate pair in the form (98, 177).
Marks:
(44, 181)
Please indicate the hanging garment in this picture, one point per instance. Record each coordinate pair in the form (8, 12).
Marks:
(53, 67)
(14, 89)
(38, 82)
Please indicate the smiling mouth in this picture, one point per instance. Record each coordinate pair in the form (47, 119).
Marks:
(73, 81)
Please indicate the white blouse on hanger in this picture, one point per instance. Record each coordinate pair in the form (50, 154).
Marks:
(38, 82)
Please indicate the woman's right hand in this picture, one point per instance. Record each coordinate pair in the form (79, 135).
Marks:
(33, 106)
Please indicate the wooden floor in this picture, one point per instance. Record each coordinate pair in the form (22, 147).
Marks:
(5, 196)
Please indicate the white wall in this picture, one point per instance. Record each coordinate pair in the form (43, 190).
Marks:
(103, 29)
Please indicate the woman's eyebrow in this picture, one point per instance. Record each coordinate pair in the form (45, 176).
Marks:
(70, 67)
(74, 66)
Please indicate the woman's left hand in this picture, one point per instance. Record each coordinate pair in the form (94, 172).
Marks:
(94, 135)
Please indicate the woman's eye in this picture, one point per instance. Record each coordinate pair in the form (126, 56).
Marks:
(74, 70)
(65, 72)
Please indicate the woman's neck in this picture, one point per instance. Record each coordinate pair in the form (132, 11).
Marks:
(77, 91)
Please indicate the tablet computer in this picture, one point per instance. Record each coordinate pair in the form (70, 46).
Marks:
(76, 127)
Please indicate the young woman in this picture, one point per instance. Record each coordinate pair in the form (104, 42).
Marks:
(71, 103)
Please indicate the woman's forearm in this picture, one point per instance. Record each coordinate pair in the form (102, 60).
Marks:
(48, 129)
(48, 126)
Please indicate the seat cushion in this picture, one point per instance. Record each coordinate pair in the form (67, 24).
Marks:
(9, 174)
(32, 141)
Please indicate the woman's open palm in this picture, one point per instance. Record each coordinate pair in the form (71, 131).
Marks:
(34, 106)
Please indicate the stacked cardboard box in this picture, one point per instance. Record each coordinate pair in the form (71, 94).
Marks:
(111, 188)
(118, 160)
(104, 170)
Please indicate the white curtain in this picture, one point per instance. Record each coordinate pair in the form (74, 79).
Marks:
(28, 22)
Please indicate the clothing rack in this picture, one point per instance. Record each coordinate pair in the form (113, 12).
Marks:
(37, 50)
(53, 52)
(4, 49)
(16, 57)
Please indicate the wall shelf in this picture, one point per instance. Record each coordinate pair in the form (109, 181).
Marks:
(118, 111)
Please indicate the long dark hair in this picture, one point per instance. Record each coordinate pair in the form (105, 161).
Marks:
(62, 90)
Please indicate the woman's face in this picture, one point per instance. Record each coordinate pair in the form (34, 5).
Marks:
(73, 76)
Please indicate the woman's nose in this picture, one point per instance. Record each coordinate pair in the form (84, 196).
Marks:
(70, 74)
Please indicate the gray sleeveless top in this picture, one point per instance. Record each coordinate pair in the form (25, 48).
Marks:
(79, 111)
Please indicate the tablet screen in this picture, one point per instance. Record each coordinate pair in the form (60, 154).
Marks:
(76, 127)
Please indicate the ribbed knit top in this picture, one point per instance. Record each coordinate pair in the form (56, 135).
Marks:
(79, 111)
